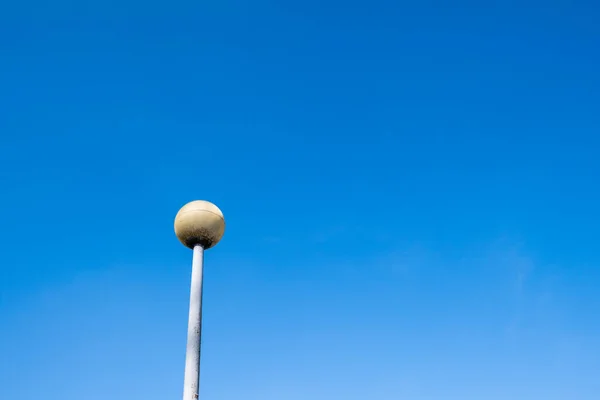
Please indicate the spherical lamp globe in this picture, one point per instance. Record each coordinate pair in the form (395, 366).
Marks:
(199, 223)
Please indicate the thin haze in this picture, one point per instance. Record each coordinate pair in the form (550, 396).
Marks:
(411, 195)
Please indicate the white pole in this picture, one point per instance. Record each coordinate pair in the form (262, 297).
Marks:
(192, 354)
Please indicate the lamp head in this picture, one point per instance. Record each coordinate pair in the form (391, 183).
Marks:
(199, 222)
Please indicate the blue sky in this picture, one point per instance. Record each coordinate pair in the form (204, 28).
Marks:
(411, 192)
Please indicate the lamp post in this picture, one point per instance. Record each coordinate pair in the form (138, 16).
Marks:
(199, 225)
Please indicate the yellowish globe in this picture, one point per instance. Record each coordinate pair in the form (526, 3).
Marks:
(199, 222)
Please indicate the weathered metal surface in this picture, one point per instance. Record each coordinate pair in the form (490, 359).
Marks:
(192, 355)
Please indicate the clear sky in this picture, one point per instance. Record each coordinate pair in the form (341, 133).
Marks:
(411, 192)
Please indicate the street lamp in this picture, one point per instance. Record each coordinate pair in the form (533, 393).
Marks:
(199, 225)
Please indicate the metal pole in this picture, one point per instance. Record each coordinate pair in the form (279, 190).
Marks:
(192, 354)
